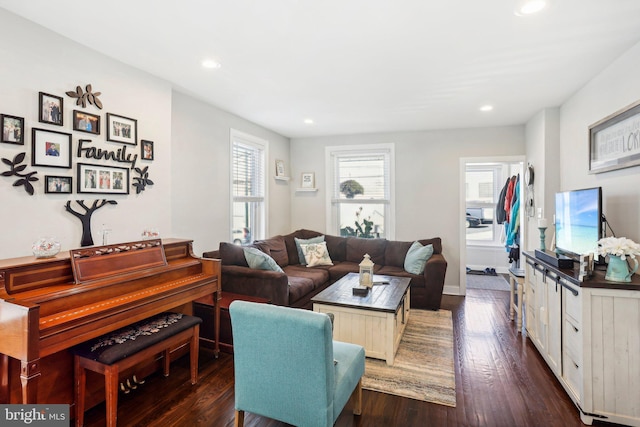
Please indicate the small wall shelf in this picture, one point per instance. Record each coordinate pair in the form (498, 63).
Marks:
(282, 178)
(306, 189)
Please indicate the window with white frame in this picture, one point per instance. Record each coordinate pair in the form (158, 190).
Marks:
(248, 182)
(360, 191)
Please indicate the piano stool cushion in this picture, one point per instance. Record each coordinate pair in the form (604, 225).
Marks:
(124, 342)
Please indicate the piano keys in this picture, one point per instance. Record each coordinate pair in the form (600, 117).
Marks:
(50, 305)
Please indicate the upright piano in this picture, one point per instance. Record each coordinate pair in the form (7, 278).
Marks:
(50, 305)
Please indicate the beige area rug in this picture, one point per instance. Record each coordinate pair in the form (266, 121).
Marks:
(423, 368)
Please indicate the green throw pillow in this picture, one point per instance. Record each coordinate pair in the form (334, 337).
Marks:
(299, 242)
(260, 261)
(417, 258)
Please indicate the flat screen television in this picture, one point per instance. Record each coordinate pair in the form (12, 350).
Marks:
(578, 220)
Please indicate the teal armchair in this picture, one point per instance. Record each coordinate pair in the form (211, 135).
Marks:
(288, 368)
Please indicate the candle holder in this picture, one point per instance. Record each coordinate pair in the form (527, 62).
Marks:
(542, 230)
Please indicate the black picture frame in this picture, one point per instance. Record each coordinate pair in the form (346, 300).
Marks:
(12, 129)
(86, 122)
(102, 179)
(122, 129)
(614, 142)
(50, 109)
(54, 184)
(146, 149)
(50, 148)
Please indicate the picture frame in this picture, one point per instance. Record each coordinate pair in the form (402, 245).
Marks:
(102, 179)
(280, 170)
(308, 180)
(12, 129)
(146, 149)
(614, 142)
(86, 122)
(50, 109)
(122, 129)
(58, 184)
(50, 148)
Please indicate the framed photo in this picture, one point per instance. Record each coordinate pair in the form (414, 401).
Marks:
(101, 179)
(280, 168)
(50, 109)
(308, 180)
(614, 142)
(12, 129)
(122, 129)
(146, 149)
(58, 184)
(50, 148)
(86, 122)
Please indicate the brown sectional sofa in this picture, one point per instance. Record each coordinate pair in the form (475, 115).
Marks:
(298, 283)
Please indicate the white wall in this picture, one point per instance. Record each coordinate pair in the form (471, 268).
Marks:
(427, 181)
(614, 88)
(35, 59)
(201, 173)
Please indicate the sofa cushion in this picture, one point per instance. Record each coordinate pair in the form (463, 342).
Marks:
(231, 254)
(358, 246)
(436, 242)
(337, 247)
(316, 254)
(275, 248)
(260, 260)
(395, 253)
(301, 258)
(417, 257)
(299, 287)
(318, 275)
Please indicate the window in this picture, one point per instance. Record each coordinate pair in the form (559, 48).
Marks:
(248, 182)
(360, 182)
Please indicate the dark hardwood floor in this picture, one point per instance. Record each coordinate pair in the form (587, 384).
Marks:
(501, 380)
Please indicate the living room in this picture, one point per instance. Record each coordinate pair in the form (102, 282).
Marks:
(190, 170)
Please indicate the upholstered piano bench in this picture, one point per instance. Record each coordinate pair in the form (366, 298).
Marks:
(119, 350)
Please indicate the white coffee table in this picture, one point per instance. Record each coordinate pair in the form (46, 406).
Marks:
(375, 321)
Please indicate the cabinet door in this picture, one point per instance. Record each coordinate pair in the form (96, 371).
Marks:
(554, 313)
(530, 301)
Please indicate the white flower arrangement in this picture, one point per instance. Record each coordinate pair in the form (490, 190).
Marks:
(618, 246)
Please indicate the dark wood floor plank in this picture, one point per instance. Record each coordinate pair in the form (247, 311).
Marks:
(501, 380)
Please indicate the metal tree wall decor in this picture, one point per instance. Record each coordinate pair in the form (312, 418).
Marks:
(16, 169)
(85, 217)
(83, 97)
(143, 180)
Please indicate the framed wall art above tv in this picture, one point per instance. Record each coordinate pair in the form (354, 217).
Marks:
(614, 142)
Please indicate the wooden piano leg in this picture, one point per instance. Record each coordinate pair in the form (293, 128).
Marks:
(111, 375)
(194, 344)
(216, 302)
(29, 376)
(4, 379)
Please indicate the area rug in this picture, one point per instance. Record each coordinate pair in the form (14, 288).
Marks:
(494, 283)
(423, 368)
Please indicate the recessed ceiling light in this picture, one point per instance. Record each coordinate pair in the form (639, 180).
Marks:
(486, 108)
(210, 63)
(308, 121)
(529, 7)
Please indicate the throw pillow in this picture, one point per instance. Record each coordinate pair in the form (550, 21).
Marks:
(316, 254)
(299, 242)
(417, 258)
(260, 261)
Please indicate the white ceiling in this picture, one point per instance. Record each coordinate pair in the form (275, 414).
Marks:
(356, 66)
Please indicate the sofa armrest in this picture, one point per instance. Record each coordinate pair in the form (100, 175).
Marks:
(271, 285)
(434, 274)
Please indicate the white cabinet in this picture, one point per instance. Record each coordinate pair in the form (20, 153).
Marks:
(589, 335)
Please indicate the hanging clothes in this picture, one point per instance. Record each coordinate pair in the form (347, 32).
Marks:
(508, 199)
(513, 228)
(501, 215)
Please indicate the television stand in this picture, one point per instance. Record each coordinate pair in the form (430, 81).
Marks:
(555, 259)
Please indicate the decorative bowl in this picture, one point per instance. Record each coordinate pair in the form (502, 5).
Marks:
(46, 247)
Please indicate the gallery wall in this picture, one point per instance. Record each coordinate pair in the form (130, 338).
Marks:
(38, 60)
(427, 183)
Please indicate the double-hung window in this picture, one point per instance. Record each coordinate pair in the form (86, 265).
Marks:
(360, 191)
(248, 198)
